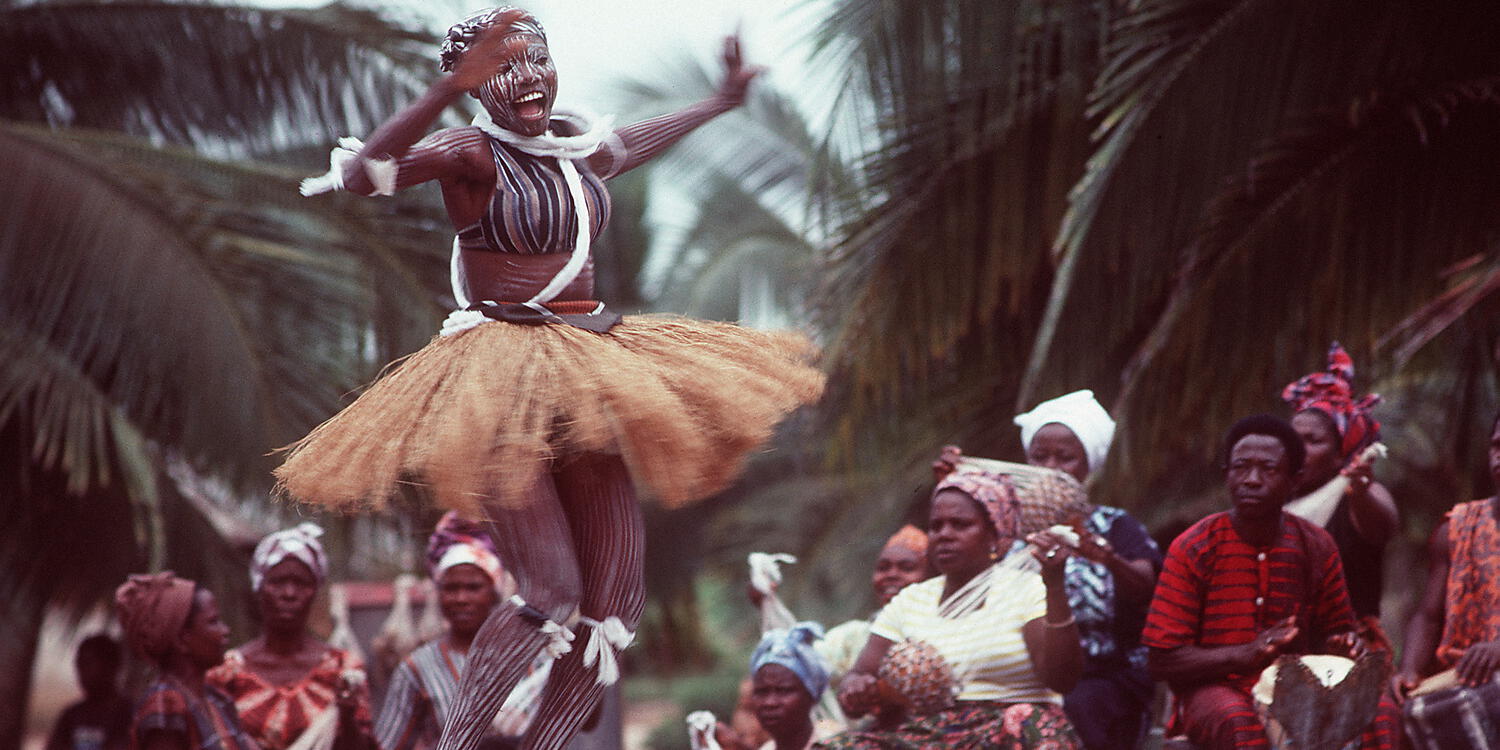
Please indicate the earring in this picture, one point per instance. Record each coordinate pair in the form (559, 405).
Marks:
(994, 553)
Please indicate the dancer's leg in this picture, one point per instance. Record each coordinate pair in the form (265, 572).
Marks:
(536, 547)
(610, 538)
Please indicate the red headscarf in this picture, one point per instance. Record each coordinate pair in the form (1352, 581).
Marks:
(909, 537)
(1331, 392)
(153, 609)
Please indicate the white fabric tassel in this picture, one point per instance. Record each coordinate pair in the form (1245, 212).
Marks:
(765, 577)
(560, 638)
(609, 636)
(701, 726)
(382, 172)
(1318, 506)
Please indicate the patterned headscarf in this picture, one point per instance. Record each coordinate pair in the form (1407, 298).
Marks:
(1079, 412)
(153, 609)
(994, 492)
(792, 648)
(908, 537)
(1331, 392)
(298, 543)
(460, 541)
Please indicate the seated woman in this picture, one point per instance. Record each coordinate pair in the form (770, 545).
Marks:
(175, 625)
(424, 688)
(1111, 574)
(1007, 634)
(1336, 426)
(286, 683)
(902, 562)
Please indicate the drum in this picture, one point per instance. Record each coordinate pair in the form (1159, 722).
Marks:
(1319, 702)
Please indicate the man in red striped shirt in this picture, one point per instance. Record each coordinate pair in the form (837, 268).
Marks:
(1241, 587)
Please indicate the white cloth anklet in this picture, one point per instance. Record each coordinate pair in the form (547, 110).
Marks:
(560, 639)
(610, 636)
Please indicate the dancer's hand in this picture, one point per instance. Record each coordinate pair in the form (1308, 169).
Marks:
(485, 54)
(737, 75)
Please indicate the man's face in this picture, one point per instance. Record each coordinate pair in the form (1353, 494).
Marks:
(1259, 477)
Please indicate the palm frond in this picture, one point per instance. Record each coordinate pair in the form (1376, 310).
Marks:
(227, 81)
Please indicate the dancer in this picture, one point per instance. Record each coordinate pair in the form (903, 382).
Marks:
(537, 407)
(286, 683)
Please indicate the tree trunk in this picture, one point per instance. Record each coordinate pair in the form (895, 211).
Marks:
(21, 616)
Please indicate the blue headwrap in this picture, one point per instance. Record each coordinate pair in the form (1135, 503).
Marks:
(792, 648)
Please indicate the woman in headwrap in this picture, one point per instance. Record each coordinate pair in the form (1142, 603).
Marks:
(470, 582)
(286, 683)
(175, 625)
(1004, 634)
(537, 408)
(902, 562)
(787, 675)
(1336, 427)
(1110, 575)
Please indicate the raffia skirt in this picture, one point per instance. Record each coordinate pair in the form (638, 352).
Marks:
(476, 417)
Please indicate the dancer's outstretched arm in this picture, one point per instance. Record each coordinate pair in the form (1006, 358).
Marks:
(447, 153)
(645, 139)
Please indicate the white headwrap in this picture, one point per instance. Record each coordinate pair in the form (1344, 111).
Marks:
(298, 543)
(1079, 412)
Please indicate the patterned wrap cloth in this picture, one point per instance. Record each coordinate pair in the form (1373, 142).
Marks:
(153, 609)
(1331, 392)
(793, 648)
(1079, 412)
(204, 722)
(460, 541)
(972, 725)
(297, 543)
(275, 716)
(908, 537)
(1472, 605)
(994, 492)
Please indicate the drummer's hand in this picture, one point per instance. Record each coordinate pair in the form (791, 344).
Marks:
(484, 55)
(737, 75)
(946, 463)
(1347, 644)
(1479, 663)
(859, 693)
(1402, 684)
(1266, 646)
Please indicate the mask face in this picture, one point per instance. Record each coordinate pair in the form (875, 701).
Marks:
(519, 96)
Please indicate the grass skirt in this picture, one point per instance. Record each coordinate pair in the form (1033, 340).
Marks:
(482, 413)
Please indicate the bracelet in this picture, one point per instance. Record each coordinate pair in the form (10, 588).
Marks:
(1059, 625)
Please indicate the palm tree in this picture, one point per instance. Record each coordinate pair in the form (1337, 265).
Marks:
(1249, 180)
(167, 306)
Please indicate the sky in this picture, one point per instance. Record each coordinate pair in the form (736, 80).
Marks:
(595, 42)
